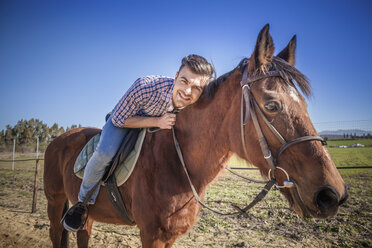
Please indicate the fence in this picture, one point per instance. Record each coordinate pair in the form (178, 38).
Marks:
(36, 180)
(37, 172)
(356, 127)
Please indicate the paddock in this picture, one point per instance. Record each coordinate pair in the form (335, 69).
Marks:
(271, 222)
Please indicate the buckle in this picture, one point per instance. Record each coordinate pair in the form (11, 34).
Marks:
(286, 183)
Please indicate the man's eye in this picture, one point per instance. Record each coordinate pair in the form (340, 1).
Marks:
(197, 88)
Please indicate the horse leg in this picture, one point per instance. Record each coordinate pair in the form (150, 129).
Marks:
(84, 234)
(56, 209)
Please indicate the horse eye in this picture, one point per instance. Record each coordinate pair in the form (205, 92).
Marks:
(272, 107)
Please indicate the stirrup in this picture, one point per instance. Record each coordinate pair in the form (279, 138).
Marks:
(75, 217)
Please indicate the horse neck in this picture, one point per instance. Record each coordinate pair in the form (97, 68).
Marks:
(204, 132)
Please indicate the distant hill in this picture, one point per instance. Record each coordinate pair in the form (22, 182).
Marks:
(341, 132)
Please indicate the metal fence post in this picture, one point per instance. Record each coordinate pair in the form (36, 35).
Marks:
(13, 154)
(36, 186)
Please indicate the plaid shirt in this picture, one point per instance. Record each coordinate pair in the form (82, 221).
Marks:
(148, 96)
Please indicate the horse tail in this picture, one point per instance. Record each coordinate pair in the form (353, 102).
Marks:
(64, 239)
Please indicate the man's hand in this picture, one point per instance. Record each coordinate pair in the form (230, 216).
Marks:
(166, 121)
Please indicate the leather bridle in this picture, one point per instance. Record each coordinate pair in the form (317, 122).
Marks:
(250, 108)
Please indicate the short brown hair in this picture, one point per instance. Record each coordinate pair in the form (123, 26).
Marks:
(198, 65)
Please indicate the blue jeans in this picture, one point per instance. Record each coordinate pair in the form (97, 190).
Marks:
(108, 145)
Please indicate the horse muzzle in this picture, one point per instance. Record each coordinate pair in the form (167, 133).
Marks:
(327, 200)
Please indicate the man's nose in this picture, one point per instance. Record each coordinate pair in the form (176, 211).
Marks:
(188, 91)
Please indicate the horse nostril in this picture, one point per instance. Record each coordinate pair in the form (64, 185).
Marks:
(326, 198)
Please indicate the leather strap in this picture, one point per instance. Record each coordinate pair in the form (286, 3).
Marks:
(258, 198)
(116, 199)
(296, 141)
(261, 139)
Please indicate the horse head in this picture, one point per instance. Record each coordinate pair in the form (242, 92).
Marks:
(273, 84)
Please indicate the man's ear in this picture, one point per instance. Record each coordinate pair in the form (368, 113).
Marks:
(176, 76)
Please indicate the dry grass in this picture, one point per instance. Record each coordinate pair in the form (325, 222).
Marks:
(270, 223)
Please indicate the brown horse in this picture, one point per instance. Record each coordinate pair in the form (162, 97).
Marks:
(158, 196)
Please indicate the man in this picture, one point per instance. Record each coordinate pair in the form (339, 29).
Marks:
(147, 103)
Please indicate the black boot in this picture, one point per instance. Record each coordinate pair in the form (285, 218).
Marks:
(75, 218)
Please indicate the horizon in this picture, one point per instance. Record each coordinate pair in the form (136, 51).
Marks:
(70, 62)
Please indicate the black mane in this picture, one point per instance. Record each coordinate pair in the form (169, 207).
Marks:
(287, 71)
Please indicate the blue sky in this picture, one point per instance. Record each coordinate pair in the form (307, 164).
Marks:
(70, 62)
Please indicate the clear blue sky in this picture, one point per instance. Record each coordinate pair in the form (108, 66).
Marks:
(70, 62)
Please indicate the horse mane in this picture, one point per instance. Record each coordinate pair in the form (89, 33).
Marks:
(289, 73)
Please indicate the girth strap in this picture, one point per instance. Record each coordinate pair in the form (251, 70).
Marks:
(116, 199)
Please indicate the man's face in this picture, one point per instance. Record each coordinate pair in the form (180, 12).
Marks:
(188, 87)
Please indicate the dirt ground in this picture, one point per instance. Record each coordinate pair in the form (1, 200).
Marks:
(270, 224)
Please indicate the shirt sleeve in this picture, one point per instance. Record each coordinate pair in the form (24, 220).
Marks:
(131, 102)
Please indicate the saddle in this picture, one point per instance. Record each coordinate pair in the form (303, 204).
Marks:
(120, 168)
(124, 161)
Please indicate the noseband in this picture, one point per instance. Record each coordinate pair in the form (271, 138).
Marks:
(251, 109)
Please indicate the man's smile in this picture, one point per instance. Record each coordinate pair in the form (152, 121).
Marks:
(183, 97)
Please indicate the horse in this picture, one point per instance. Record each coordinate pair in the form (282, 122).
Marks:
(158, 196)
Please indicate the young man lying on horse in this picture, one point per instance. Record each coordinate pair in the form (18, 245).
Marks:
(150, 102)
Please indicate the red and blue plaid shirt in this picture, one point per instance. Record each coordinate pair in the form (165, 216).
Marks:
(148, 96)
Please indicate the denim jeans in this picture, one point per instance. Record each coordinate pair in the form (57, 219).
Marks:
(108, 145)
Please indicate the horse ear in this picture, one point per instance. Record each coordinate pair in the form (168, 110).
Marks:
(263, 51)
(288, 53)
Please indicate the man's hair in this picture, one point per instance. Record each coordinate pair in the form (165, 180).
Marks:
(198, 65)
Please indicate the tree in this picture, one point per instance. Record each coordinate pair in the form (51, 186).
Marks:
(61, 130)
(53, 131)
(44, 137)
(26, 131)
(26, 137)
(2, 137)
(8, 135)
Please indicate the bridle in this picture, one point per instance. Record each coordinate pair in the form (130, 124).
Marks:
(250, 108)
(250, 103)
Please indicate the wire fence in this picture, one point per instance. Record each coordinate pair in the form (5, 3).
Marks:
(338, 128)
(233, 168)
(331, 129)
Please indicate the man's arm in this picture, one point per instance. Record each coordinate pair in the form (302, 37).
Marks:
(164, 122)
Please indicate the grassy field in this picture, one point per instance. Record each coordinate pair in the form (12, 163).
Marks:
(366, 142)
(269, 224)
(343, 157)
(350, 228)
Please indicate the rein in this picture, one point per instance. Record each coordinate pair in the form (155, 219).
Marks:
(258, 198)
(248, 101)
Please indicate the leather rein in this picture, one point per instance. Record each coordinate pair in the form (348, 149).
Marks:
(251, 109)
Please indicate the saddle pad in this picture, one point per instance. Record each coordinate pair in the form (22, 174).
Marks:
(123, 171)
